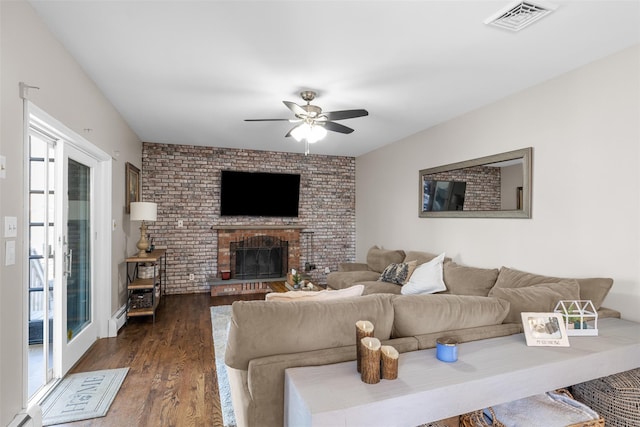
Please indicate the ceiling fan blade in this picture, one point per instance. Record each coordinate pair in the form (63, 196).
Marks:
(289, 133)
(297, 110)
(345, 114)
(267, 120)
(337, 127)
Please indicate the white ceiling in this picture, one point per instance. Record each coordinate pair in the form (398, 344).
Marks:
(190, 72)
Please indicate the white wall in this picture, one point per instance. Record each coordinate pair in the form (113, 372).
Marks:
(584, 128)
(29, 53)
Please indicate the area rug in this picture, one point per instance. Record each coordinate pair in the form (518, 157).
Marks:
(220, 317)
(82, 396)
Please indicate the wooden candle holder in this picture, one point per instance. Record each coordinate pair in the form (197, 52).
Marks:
(364, 329)
(389, 357)
(370, 360)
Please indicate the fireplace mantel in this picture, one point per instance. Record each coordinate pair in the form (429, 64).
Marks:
(259, 227)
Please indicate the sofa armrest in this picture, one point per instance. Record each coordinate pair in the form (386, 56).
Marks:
(352, 266)
(265, 379)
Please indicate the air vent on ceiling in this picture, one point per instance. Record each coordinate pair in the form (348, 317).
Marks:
(520, 14)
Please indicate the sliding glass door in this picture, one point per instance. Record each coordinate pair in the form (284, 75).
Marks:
(41, 269)
(76, 293)
(69, 193)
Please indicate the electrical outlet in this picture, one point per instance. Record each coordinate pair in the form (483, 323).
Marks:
(180, 223)
(192, 277)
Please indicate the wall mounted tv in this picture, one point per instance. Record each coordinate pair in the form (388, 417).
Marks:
(259, 194)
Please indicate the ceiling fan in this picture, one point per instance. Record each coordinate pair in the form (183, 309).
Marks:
(313, 123)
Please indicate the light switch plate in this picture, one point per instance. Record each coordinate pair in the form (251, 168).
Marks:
(10, 252)
(10, 226)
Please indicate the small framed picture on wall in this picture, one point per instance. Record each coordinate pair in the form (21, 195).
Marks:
(132, 185)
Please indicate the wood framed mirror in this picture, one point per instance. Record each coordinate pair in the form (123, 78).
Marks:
(497, 186)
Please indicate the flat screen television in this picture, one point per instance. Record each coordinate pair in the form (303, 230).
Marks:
(259, 194)
(443, 195)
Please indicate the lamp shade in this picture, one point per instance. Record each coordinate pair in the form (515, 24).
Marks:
(144, 211)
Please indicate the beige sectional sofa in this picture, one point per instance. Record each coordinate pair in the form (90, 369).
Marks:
(517, 286)
(267, 337)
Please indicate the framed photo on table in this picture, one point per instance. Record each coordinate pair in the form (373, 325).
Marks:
(132, 185)
(544, 329)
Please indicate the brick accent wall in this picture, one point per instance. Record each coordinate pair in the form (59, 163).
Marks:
(184, 181)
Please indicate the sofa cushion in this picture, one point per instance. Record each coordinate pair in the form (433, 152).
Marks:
(463, 280)
(265, 328)
(423, 314)
(469, 334)
(541, 297)
(344, 279)
(420, 257)
(594, 289)
(379, 287)
(398, 273)
(426, 278)
(325, 295)
(352, 266)
(378, 259)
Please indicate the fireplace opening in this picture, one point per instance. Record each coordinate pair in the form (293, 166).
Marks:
(259, 257)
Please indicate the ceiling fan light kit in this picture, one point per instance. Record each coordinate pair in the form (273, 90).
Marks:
(311, 132)
(313, 123)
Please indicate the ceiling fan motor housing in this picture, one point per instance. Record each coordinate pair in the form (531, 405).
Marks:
(313, 111)
(308, 95)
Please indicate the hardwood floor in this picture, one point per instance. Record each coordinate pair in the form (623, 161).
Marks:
(172, 377)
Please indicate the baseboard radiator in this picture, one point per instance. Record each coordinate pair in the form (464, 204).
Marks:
(117, 321)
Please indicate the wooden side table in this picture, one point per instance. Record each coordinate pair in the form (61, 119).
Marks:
(146, 277)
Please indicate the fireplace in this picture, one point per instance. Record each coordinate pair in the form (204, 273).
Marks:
(286, 238)
(275, 249)
(259, 257)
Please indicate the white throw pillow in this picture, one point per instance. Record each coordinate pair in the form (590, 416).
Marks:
(426, 278)
(325, 295)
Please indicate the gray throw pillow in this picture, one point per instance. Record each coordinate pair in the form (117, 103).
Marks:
(398, 273)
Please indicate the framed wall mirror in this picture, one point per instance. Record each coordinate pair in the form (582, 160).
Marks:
(497, 186)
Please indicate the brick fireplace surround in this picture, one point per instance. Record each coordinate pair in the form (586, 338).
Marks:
(229, 234)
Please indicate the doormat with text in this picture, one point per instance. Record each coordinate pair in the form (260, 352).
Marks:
(82, 396)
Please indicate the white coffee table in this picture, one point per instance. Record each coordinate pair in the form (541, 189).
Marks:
(488, 372)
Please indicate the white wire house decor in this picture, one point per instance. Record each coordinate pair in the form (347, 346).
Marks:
(580, 317)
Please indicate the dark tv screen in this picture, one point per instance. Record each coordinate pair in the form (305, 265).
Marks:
(259, 194)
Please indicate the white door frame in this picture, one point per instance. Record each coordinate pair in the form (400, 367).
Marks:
(102, 218)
